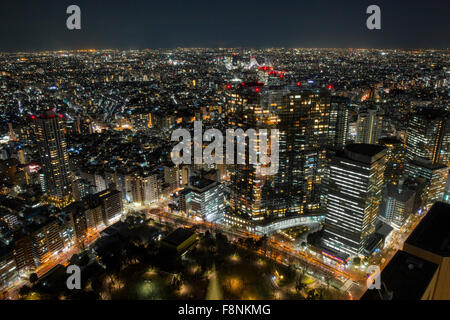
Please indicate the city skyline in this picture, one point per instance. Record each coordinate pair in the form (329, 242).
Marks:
(224, 150)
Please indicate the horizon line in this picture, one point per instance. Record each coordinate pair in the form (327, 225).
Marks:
(221, 48)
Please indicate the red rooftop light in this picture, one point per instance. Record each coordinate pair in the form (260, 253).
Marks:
(228, 86)
(299, 84)
(265, 68)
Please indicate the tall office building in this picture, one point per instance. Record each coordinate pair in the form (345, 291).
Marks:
(204, 198)
(49, 132)
(338, 126)
(428, 136)
(302, 118)
(354, 195)
(338, 130)
(397, 205)
(395, 159)
(369, 126)
(433, 176)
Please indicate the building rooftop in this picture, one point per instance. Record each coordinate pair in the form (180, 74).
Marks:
(399, 192)
(426, 164)
(49, 114)
(362, 152)
(433, 113)
(178, 236)
(406, 277)
(201, 184)
(370, 150)
(106, 192)
(390, 140)
(375, 240)
(433, 232)
(383, 229)
(333, 254)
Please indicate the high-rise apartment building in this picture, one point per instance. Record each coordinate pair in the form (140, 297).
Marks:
(81, 188)
(51, 238)
(49, 133)
(354, 195)
(143, 187)
(302, 118)
(87, 217)
(112, 207)
(172, 177)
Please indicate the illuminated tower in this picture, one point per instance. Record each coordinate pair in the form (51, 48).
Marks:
(429, 136)
(354, 195)
(302, 118)
(49, 132)
(433, 176)
(338, 127)
(395, 159)
(369, 126)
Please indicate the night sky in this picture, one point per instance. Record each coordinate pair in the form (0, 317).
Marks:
(41, 24)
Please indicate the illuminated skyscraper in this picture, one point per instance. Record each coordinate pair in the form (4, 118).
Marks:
(434, 177)
(397, 205)
(49, 132)
(354, 195)
(338, 127)
(395, 159)
(302, 118)
(369, 126)
(429, 136)
(204, 198)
